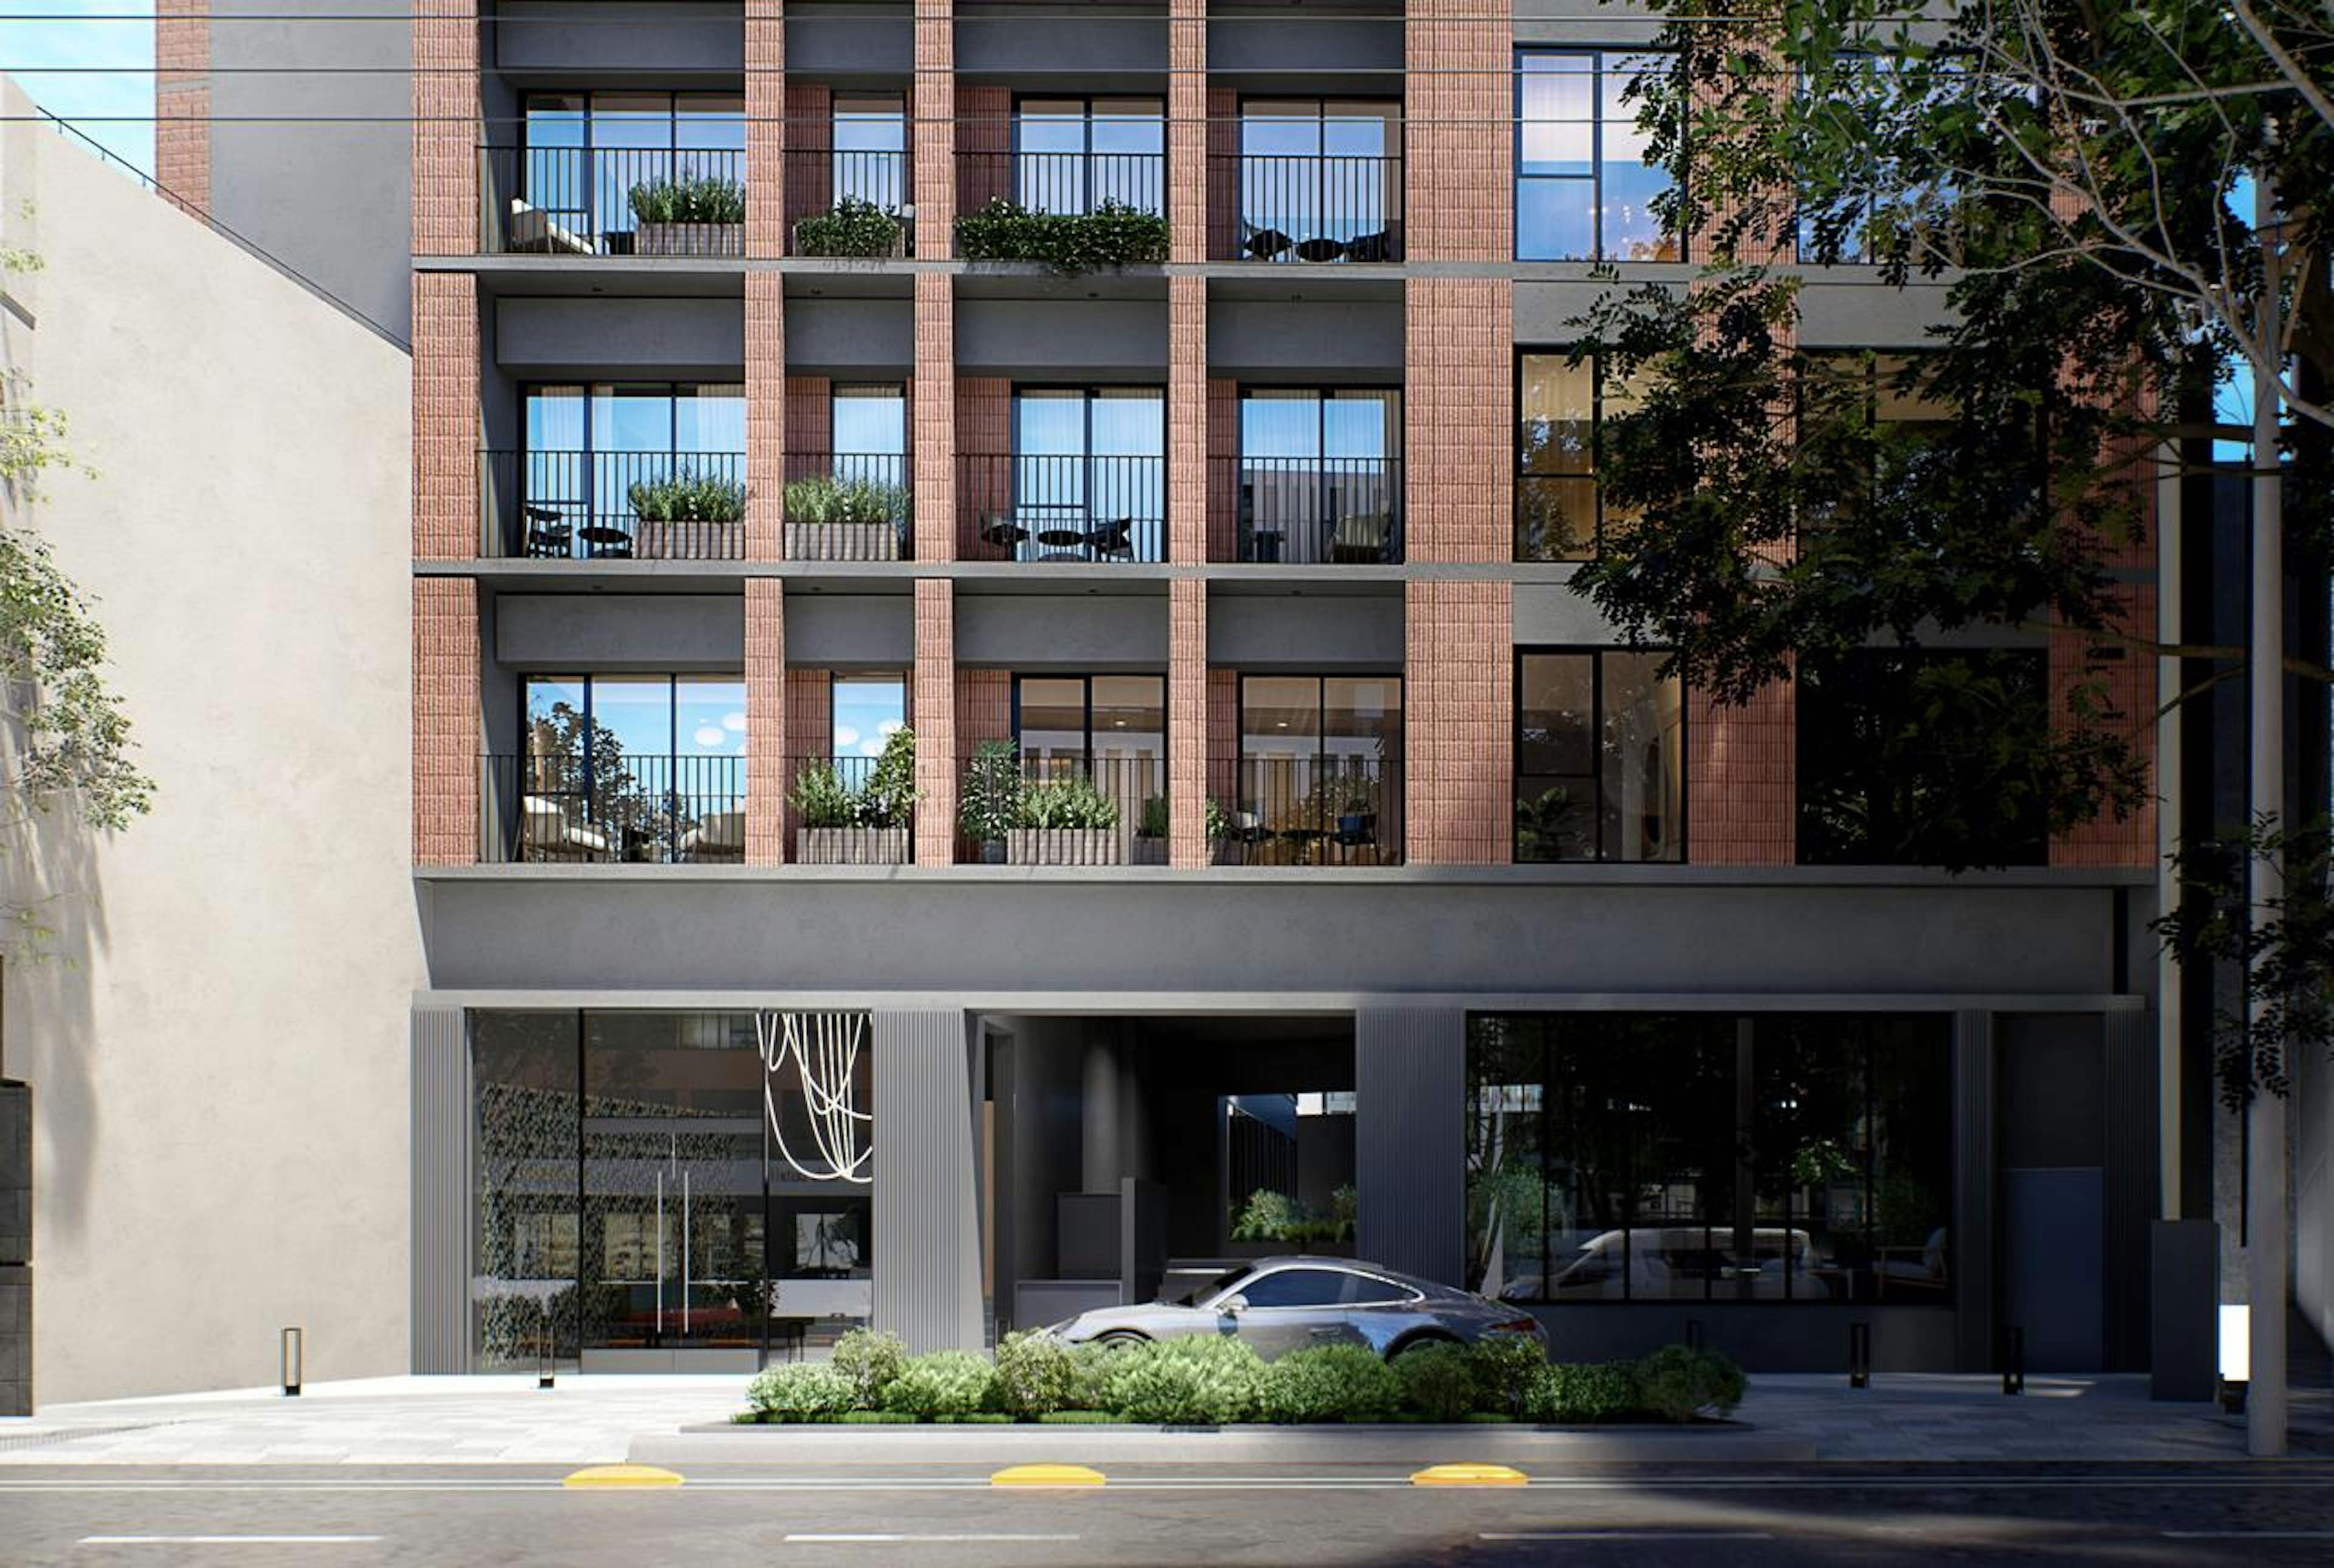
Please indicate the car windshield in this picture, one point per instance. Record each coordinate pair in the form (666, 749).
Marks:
(1223, 1281)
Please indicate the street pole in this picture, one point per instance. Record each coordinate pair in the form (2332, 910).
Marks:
(2265, 1156)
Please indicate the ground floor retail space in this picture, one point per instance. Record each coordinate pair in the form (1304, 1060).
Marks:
(712, 1182)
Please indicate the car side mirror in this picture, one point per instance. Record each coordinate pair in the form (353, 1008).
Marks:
(1232, 1306)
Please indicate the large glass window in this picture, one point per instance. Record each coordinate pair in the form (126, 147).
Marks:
(1701, 1157)
(1320, 473)
(1584, 190)
(617, 470)
(593, 161)
(1089, 474)
(1109, 729)
(869, 161)
(1600, 757)
(640, 1191)
(1561, 514)
(1320, 179)
(868, 422)
(628, 767)
(1071, 155)
(1320, 769)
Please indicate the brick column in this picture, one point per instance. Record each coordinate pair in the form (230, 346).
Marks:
(810, 731)
(1223, 173)
(1187, 130)
(1187, 451)
(446, 127)
(1742, 779)
(2127, 678)
(934, 717)
(1459, 719)
(932, 113)
(1459, 419)
(767, 741)
(931, 399)
(445, 427)
(446, 717)
(1187, 722)
(809, 151)
(1223, 735)
(765, 129)
(1458, 151)
(182, 103)
(766, 413)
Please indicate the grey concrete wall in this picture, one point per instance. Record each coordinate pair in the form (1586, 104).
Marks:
(927, 1263)
(1088, 48)
(218, 1048)
(583, 43)
(311, 144)
(1292, 343)
(1101, 632)
(869, 339)
(850, 44)
(1409, 1154)
(1328, 634)
(1266, 48)
(1059, 340)
(1547, 613)
(852, 631)
(1160, 933)
(621, 631)
(661, 339)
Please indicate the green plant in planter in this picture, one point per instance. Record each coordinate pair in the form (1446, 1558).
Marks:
(1219, 824)
(1544, 826)
(871, 1359)
(802, 1391)
(1678, 1383)
(1268, 1215)
(1329, 1383)
(1155, 818)
(1202, 1381)
(1571, 1392)
(1507, 1368)
(942, 1383)
(827, 501)
(1072, 802)
(823, 798)
(989, 802)
(689, 198)
(1037, 1374)
(684, 496)
(1111, 235)
(855, 227)
(891, 792)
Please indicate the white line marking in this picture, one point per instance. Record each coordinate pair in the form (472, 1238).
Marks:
(2247, 1535)
(895, 1540)
(1624, 1535)
(227, 1540)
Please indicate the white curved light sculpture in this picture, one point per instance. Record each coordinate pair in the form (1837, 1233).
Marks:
(824, 1049)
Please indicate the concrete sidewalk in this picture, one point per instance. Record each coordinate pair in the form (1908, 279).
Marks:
(599, 1420)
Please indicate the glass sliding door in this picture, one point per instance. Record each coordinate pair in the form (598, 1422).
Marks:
(1320, 180)
(1321, 475)
(1320, 772)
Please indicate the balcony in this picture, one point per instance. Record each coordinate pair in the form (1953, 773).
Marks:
(1311, 809)
(1316, 511)
(1067, 509)
(613, 201)
(847, 507)
(589, 506)
(851, 810)
(1064, 183)
(853, 202)
(1306, 207)
(636, 810)
(1062, 811)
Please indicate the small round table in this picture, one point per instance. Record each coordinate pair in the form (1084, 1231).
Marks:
(605, 539)
(1064, 542)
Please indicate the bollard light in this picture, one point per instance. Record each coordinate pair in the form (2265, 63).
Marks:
(2013, 1361)
(546, 1364)
(1859, 1355)
(290, 1356)
(1693, 1333)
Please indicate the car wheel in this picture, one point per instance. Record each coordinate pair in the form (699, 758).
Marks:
(1121, 1339)
(1404, 1347)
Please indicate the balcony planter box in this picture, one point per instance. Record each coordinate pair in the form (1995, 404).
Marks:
(1064, 846)
(842, 540)
(1149, 850)
(851, 846)
(699, 239)
(689, 541)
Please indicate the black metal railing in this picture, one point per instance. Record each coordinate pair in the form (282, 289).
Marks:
(1341, 511)
(630, 808)
(849, 810)
(1032, 508)
(1312, 809)
(613, 201)
(821, 182)
(847, 507)
(1080, 809)
(614, 506)
(1309, 207)
(1063, 182)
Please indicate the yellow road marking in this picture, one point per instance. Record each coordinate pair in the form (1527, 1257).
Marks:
(622, 1475)
(1046, 1476)
(1468, 1476)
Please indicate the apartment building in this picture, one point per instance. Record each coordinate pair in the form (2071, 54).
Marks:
(960, 791)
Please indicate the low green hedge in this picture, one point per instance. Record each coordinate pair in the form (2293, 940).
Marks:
(1111, 235)
(1212, 1380)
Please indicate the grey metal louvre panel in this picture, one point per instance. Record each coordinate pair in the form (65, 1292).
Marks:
(927, 1237)
(1971, 1238)
(441, 1191)
(1410, 1087)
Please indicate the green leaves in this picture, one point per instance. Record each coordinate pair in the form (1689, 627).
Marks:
(1111, 235)
(686, 496)
(854, 228)
(73, 745)
(828, 501)
(1073, 802)
(689, 198)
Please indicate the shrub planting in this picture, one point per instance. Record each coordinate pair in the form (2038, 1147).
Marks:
(1206, 1380)
(1037, 1374)
(1678, 1383)
(802, 1391)
(1329, 1383)
(871, 1361)
(1572, 1393)
(1111, 235)
(1438, 1380)
(943, 1383)
(691, 198)
(1506, 1368)
(855, 227)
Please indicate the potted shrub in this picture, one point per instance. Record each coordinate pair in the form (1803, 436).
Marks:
(1065, 822)
(1150, 833)
(844, 825)
(1114, 235)
(854, 226)
(1355, 800)
(689, 214)
(831, 519)
(988, 806)
(700, 512)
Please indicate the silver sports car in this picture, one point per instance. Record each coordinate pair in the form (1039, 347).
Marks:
(1280, 1304)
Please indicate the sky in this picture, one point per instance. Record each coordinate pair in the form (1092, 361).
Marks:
(110, 67)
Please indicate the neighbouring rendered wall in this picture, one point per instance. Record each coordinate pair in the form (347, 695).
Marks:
(219, 1045)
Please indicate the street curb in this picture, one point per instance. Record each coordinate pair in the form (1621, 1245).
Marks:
(1410, 1446)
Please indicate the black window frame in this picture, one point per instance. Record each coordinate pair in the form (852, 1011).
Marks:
(1600, 53)
(1085, 154)
(1322, 394)
(1596, 653)
(1594, 479)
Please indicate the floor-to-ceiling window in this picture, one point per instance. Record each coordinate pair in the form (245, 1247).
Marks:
(1561, 512)
(1320, 473)
(1600, 757)
(618, 469)
(1710, 1157)
(650, 1190)
(1320, 770)
(1073, 155)
(596, 167)
(1320, 179)
(869, 159)
(1108, 729)
(626, 767)
(1584, 190)
(1089, 474)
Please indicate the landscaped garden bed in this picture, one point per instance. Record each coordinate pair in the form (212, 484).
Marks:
(1217, 1381)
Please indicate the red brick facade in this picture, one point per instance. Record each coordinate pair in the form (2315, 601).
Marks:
(1187, 130)
(182, 103)
(766, 413)
(1187, 420)
(1458, 151)
(765, 129)
(768, 741)
(934, 701)
(1740, 780)
(1459, 419)
(446, 127)
(446, 429)
(445, 721)
(1187, 722)
(931, 111)
(1458, 715)
(809, 149)
(932, 415)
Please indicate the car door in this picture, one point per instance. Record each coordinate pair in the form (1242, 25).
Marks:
(1288, 1309)
(1377, 1313)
